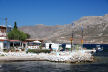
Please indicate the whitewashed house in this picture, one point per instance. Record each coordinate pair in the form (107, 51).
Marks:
(4, 42)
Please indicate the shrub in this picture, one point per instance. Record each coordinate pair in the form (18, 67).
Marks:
(39, 50)
(2, 55)
(5, 50)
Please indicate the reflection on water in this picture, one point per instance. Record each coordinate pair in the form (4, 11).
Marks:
(100, 65)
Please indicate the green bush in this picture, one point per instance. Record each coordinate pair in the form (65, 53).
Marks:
(5, 50)
(2, 55)
(39, 50)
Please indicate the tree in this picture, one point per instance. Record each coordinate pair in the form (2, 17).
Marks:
(15, 25)
(16, 34)
(28, 35)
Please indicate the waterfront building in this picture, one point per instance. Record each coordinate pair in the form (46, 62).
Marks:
(4, 42)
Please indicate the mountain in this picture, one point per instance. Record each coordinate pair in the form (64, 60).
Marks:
(95, 30)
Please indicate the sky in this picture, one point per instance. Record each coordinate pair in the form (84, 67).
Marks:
(49, 12)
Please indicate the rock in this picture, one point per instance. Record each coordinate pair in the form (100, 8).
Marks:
(75, 56)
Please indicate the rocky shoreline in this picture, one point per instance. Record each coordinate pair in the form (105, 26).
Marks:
(68, 57)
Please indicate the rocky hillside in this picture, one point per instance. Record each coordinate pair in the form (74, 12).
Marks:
(95, 30)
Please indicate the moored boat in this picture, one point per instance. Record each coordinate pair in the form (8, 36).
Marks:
(99, 48)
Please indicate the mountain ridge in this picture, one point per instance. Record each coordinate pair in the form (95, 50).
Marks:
(95, 30)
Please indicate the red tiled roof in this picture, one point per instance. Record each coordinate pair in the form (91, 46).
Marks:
(9, 40)
(14, 40)
(3, 40)
(3, 27)
(2, 35)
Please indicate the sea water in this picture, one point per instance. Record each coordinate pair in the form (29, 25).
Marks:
(99, 65)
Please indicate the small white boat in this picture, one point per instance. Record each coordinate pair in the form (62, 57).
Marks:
(98, 48)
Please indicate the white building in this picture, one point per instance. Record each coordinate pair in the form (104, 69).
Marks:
(4, 43)
(55, 46)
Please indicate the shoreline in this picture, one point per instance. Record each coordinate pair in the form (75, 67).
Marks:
(14, 58)
(19, 59)
(67, 57)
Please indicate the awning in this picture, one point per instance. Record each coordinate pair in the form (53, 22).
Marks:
(37, 41)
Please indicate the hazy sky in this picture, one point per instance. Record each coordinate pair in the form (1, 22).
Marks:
(50, 12)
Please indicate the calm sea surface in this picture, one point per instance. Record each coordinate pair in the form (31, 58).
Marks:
(100, 65)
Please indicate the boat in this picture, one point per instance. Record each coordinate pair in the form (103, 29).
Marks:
(99, 48)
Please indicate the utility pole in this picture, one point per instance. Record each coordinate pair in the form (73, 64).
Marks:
(6, 25)
(6, 32)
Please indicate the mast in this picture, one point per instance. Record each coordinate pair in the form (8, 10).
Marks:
(72, 37)
(82, 35)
